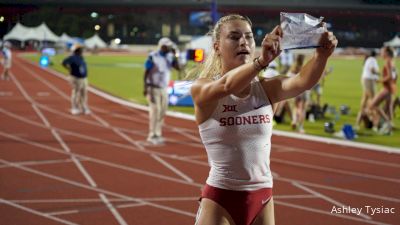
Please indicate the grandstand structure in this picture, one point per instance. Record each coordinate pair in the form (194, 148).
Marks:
(356, 23)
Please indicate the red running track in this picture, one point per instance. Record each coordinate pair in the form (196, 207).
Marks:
(97, 169)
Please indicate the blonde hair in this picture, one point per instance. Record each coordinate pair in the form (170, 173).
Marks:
(212, 65)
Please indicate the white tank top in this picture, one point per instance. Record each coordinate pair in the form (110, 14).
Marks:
(237, 138)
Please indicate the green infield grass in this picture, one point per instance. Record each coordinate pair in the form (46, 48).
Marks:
(122, 76)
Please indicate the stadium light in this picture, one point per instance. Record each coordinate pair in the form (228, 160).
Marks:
(117, 41)
(94, 15)
(1, 19)
(44, 61)
(97, 27)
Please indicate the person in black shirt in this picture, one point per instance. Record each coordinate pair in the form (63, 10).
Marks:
(76, 66)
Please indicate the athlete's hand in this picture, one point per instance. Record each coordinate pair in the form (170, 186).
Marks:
(271, 46)
(328, 43)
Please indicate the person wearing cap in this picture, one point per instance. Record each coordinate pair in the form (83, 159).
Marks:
(76, 66)
(7, 58)
(156, 79)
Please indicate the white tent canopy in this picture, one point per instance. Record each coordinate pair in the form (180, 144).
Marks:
(95, 41)
(23, 33)
(395, 42)
(66, 38)
(204, 42)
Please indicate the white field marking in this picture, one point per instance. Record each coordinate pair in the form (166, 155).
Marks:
(42, 93)
(102, 162)
(6, 93)
(35, 212)
(114, 144)
(113, 210)
(341, 190)
(362, 146)
(126, 137)
(54, 133)
(278, 202)
(391, 199)
(42, 162)
(326, 198)
(275, 132)
(293, 196)
(96, 200)
(75, 211)
(100, 120)
(275, 175)
(47, 83)
(62, 94)
(202, 156)
(282, 148)
(96, 189)
(172, 168)
(192, 137)
(334, 170)
(77, 163)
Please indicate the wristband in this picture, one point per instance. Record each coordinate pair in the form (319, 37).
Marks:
(257, 65)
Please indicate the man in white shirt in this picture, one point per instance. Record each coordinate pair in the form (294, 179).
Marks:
(370, 75)
(156, 79)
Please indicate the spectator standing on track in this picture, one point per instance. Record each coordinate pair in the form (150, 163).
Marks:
(156, 79)
(233, 109)
(370, 75)
(77, 68)
(7, 60)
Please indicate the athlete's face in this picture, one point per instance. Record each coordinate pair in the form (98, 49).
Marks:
(236, 44)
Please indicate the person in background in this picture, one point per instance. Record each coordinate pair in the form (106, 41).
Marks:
(7, 60)
(286, 61)
(234, 110)
(385, 95)
(283, 107)
(370, 74)
(77, 68)
(156, 79)
(299, 111)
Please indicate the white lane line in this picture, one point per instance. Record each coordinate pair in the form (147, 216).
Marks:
(100, 120)
(278, 202)
(78, 164)
(129, 169)
(192, 137)
(202, 156)
(99, 190)
(326, 198)
(172, 168)
(335, 170)
(96, 200)
(4, 201)
(41, 162)
(341, 190)
(102, 162)
(282, 148)
(293, 196)
(75, 211)
(184, 116)
(113, 210)
(124, 136)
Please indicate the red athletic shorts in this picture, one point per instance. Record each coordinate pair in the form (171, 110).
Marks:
(242, 206)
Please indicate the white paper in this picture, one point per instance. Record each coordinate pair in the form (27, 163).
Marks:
(300, 30)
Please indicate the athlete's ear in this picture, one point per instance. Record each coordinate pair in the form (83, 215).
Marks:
(216, 48)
